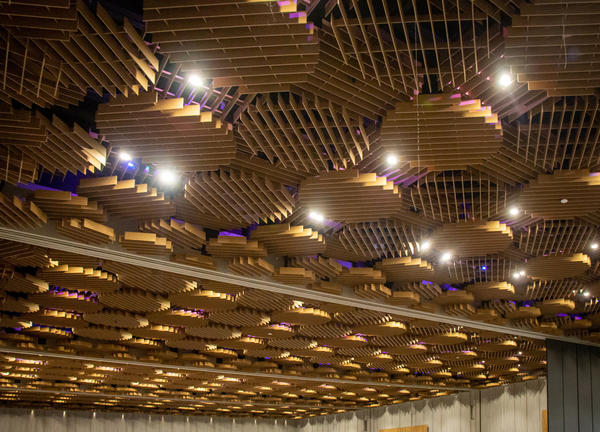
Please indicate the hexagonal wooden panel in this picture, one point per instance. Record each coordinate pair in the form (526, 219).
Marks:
(561, 195)
(441, 132)
(86, 230)
(406, 269)
(233, 44)
(556, 267)
(166, 132)
(285, 239)
(81, 279)
(20, 213)
(350, 196)
(472, 238)
(126, 199)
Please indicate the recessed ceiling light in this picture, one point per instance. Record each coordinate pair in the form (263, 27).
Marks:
(316, 216)
(522, 272)
(505, 80)
(586, 294)
(516, 275)
(594, 246)
(564, 201)
(167, 177)
(124, 156)
(195, 80)
(426, 245)
(391, 160)
(513, 211)
(446, 256)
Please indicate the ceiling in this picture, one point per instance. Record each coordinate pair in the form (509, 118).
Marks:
(293, 208)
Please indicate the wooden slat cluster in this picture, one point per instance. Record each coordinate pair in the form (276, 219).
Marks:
(63, 204)
(441, 132)
(304, 134)
(239, 197)
(455, 196)
(55, 52)
(320, 266)
(544, 197)
(166, 132)
(540, 55)
(228, 246)
(52, 144)
(251, 266)
(350, 196)
(258, 46)
(342, 81)
(20, 213)
(284, 239)
(556, 267)
(125, 199)
(147, 279)
(86, 230)
(180, 233)
(472, 238)
(386, 238)
(551, 237)
(491, 290)
(23, 255)
(561, 132)
(80, 279)
(406, 269)
(145, 243)
(67, 300)
(294, 276)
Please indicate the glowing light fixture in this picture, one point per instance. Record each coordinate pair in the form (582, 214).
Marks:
(195, 80)
(505, 80)
(124, 156)
(446, 256)
(513, 211)
(167, 177)
(391, 160)
(426, 245)
(316, 216)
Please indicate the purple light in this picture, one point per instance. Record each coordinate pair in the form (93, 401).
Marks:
(346, 264)
(483, 268)
(424, 282)
(147, 169)
(130, 164)
(229, 234)
(562, 315)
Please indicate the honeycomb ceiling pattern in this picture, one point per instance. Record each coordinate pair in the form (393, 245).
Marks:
(440, 156)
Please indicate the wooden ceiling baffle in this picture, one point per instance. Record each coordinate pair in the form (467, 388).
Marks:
(59, 204)
(180, 233)
(53, 144)
(472, 238)
(86, 231)
(540, 53)
(166, 132)
(380, 239)
(304, 134)
(350, 196)
(561, 195)
(56, 51)
(126, 199)
(284, 239)
(239, 197)
(259, 46)
(20, 213)
(441, 132)
(556, 267)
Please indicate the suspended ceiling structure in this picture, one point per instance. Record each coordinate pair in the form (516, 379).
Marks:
(293, 208)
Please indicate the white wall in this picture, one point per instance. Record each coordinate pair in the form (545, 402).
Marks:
(512, 408)
(43, 420)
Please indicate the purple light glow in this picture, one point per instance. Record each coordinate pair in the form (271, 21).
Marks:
(229, 234)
